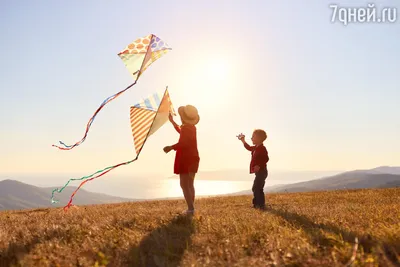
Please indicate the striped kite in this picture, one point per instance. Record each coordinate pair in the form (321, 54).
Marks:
(146, 118)
(137, 57)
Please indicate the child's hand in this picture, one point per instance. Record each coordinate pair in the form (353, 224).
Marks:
(256, 168)
(171, 119)
(167, 149)
(241, 137)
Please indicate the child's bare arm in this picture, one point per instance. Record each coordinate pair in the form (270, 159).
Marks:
(176, 126)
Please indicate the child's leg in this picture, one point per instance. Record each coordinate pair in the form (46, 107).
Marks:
(191, 185)
(258, 189)
(265, 175)
(254, 189)
(262, 195)
(185, 185)
(262, 176)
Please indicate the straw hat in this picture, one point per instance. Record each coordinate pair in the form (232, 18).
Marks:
(189, 114)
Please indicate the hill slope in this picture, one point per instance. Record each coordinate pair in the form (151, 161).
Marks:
(17, 195)
(385, 169)
(381, 177)
(351, 180)
(298, 229)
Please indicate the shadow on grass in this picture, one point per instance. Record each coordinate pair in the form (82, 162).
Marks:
(18, 249)
(165, 245)
(317, 237)
(15, 251)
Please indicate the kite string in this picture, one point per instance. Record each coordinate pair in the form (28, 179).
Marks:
(106, 101)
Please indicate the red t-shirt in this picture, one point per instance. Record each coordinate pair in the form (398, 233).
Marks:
(259, 157)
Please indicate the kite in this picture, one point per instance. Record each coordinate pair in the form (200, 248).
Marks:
(137, 57)
(146, 118)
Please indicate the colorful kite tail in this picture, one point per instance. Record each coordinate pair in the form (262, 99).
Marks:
(87, 178)
(106, 101)
(74, 179)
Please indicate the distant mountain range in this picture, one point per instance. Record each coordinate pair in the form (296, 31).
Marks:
(15, 195)
(379, 170)
(380, 177)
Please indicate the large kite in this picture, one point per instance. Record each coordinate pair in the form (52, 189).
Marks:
(146, 118)
(137, 57)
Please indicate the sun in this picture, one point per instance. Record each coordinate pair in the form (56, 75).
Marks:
(212, 83)
(217, 71)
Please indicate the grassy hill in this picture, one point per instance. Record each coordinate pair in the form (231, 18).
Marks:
(298, 229)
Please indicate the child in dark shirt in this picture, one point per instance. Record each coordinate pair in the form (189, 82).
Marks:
(258, 165)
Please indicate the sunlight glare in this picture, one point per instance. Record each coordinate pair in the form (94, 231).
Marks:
(171, 187)
(212, 81)
(217, 72)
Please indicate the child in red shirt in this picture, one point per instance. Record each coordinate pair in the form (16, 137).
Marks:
(258, 165)
(187, 156)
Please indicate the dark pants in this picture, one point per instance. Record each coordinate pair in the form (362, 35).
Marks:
(258, 189)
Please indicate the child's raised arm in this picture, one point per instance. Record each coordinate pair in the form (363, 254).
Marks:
(247, 146)
(176, 126)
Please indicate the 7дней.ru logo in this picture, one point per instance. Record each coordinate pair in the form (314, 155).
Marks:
(368, 14)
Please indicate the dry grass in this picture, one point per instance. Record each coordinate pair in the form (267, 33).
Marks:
(300, 229)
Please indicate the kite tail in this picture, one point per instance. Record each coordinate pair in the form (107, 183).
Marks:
(106, 101)
(83, 182)
(85, 178)
(73, 179)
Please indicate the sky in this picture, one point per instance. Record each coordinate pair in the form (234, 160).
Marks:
(326, 94)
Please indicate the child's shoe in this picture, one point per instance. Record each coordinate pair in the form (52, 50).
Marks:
(188, 212)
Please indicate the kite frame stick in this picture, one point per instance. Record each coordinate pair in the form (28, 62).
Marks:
(152, 123)
(141, 67)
